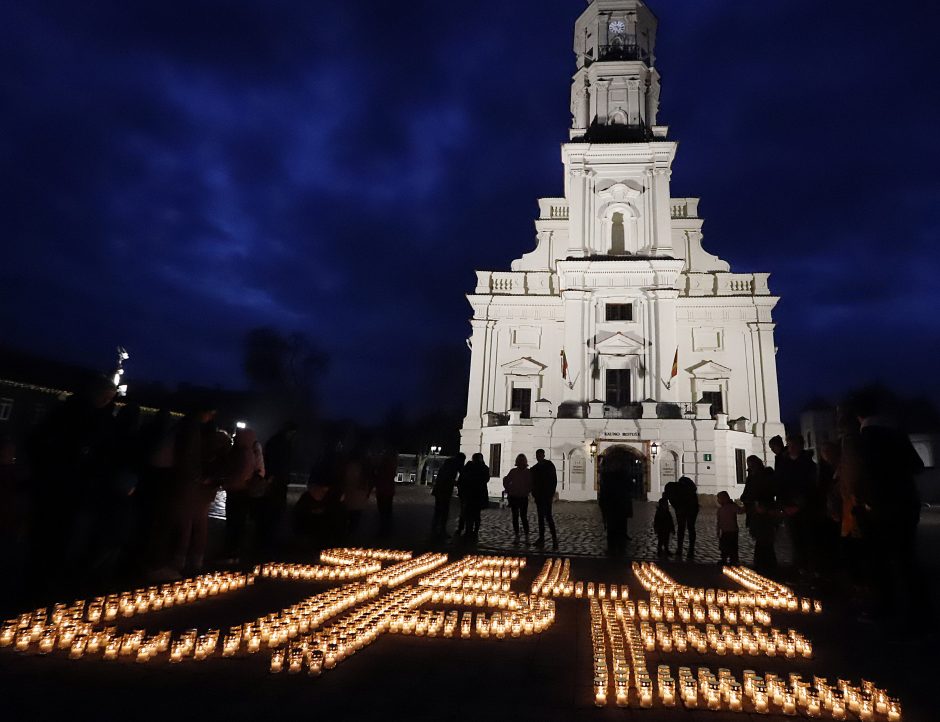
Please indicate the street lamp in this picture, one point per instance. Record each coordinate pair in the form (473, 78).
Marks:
(654, 450)
(593, 448)
(241, 425)
(435, 450)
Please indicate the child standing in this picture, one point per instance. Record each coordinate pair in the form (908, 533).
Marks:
(728, 528)
(663, 526)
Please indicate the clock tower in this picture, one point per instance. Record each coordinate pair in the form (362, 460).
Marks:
(615, 91)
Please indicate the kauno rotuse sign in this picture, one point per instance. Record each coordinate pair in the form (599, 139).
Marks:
(373, 592)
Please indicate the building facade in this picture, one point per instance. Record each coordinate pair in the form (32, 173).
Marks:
(618, 328)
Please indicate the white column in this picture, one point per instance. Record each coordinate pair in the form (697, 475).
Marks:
(762, 339)
(476, 387)
(662, 221)
(575, 302)
(665, 335)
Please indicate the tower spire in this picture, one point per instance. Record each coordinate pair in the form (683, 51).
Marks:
(615, 90)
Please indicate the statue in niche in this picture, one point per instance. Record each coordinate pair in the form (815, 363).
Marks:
(617, 236)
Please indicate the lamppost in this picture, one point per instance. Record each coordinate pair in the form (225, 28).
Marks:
(122, 356)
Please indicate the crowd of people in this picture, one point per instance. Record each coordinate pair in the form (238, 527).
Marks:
(109, 492)
(852, 516)
(99, 491)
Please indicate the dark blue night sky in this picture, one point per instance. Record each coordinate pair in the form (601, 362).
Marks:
(176, 173)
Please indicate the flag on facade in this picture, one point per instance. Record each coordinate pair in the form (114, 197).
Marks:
(564, 365)
(675, 368)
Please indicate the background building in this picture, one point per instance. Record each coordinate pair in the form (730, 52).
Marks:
(619, 329)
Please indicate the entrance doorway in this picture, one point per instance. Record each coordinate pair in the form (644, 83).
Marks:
(632, 464)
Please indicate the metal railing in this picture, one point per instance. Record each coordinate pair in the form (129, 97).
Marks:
(627, 50)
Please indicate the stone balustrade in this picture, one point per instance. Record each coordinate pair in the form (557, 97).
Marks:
(684, 208)
(553, 209)
(724, 284)
(520, 283)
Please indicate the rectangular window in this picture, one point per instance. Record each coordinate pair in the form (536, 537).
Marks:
(619, 311)
(6, 408)
(618, 387)
(740, 465)
(496, 455)
(714, 398)
(411, 478)
(522, 401)
(401, 477)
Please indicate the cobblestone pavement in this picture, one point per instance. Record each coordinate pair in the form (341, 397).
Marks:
(581, 533)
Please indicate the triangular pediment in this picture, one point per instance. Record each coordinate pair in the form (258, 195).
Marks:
(709, 370)
(620, 343)
(524, 366)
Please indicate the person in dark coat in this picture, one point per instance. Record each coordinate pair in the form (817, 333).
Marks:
(474, 493)
(278, 460)
(663, 526)
(317, 516)
(69, 455)
(544, 485)
(385, 469)
(518, 485)
(887, 507)
(760, 504)
(615, 497)
(683, 495)
(795, 475)
(443, 492)
(196, 456)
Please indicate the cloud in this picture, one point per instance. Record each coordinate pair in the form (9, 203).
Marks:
(176, 173)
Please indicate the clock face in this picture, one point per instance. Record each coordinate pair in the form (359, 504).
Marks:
(616, 27)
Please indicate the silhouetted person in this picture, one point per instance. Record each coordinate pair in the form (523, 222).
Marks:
(69, 454)
(760, 503)
(544, 484)
(888, 508)
(357, 488)
(243, 481)
(683, 495)
(518, 485)
(827, 508)
(663, 526)
(777, 447)
(795, 476)
(315, 516)
(155, 491)
(474, 493)
(615, 497)
(443, 492)
(115, 509)
(386, 469)
(278, 460)
(196, 454)
(727, 526)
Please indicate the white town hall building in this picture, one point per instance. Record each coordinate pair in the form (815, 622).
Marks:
(618, 328)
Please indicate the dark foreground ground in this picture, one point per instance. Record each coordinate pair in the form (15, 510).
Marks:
(546, 677)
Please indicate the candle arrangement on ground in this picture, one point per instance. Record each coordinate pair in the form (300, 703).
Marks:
(649, 626)
(77, 628)
(554, 579)
(403, 571)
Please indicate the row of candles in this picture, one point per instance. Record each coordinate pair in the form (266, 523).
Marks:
(82, 639)
(753, 641)
(475, 572)
(553, 579)
(78, 623)
(324, 649)
(403, 571)
(762, 592)
(660, 609)
(354, 555)
(320, 572)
